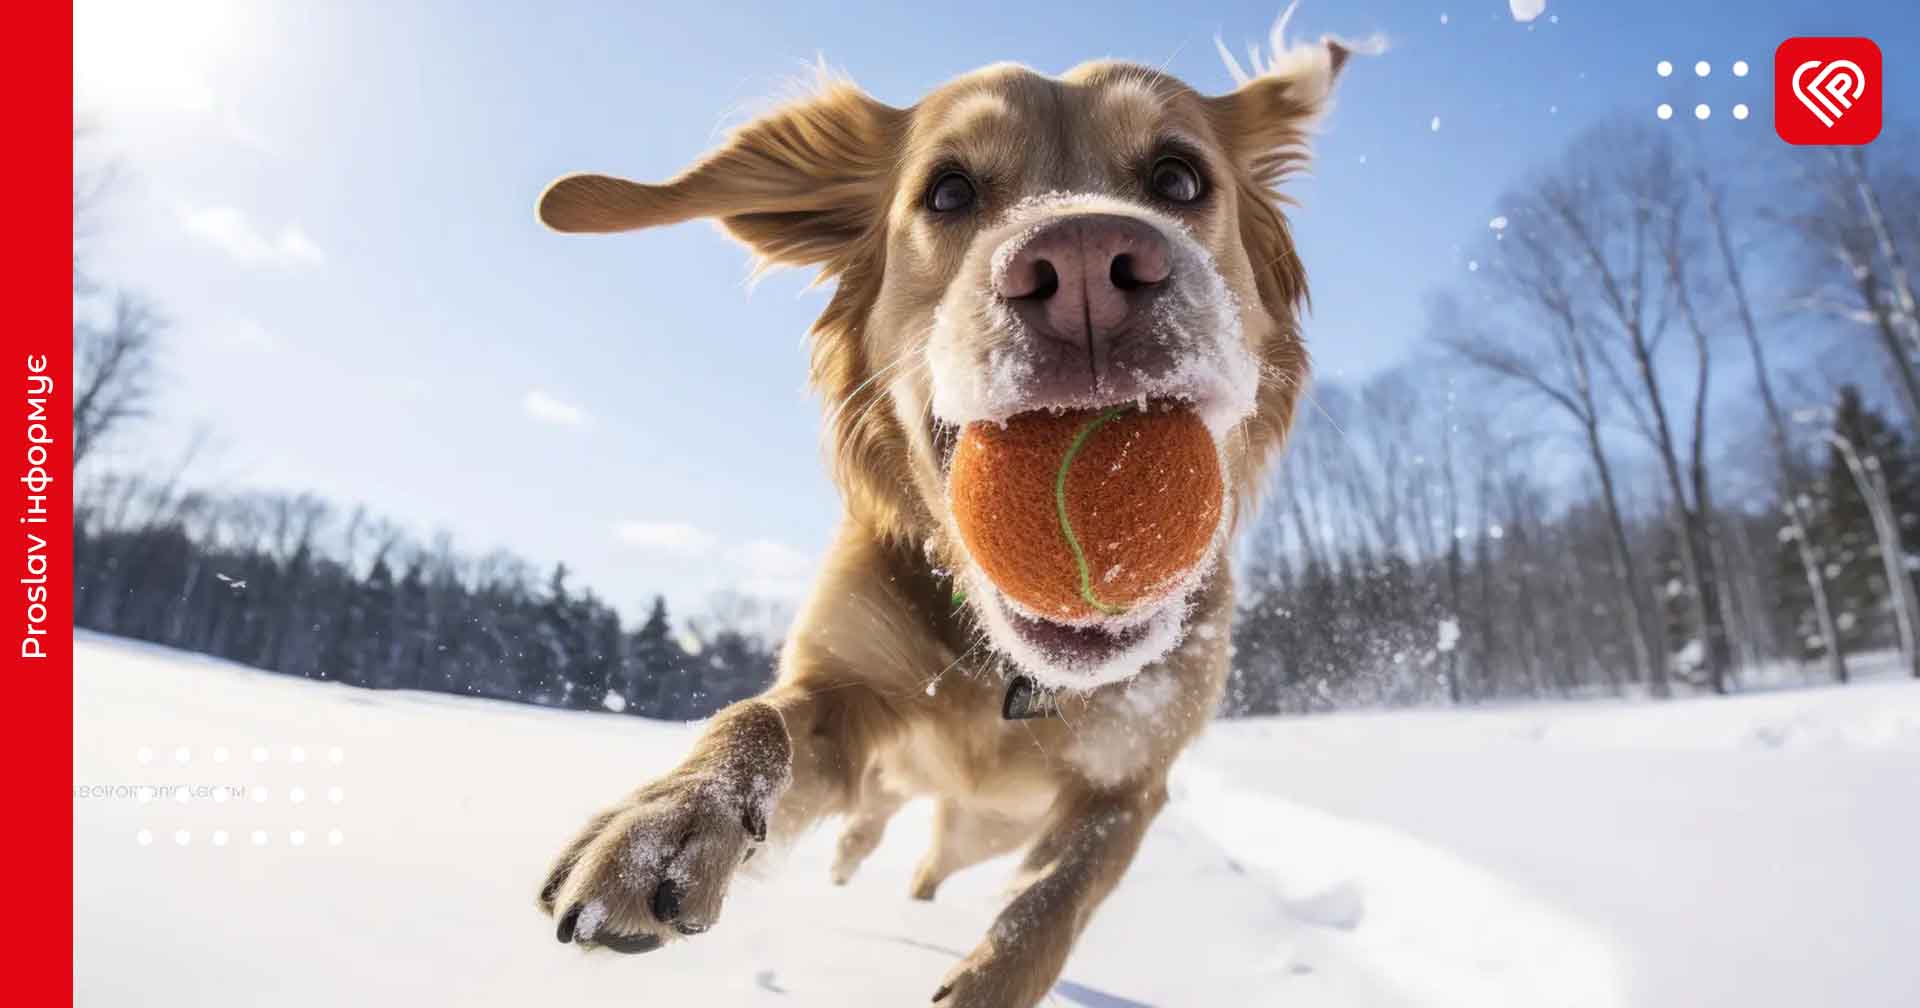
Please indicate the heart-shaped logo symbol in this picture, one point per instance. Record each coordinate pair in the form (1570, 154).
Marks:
(1826, 91)
(1829, 89)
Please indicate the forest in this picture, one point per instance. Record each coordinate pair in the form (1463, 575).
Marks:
(1659, 437)
(249, 578)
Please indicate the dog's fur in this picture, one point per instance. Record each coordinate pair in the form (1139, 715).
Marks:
(888, 689)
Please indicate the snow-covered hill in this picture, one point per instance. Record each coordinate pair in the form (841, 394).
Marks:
(1760, 851)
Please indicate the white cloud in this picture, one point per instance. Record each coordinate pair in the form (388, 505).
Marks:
(759, 568)
(546, 409)
(767, 569)
(229, 230)
(677, 539)
(298, 247)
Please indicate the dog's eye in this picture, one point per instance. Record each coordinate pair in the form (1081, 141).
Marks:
(950, 193)
(1175, 181)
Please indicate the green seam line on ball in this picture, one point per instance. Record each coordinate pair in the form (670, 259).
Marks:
(1060, 505)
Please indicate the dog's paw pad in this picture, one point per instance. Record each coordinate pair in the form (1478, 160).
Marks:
(650, 872)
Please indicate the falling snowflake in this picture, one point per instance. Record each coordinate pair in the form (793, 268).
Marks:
(1526, 10)
(1434, 126)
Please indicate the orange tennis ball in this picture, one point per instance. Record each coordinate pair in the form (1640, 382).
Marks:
(1087, 514)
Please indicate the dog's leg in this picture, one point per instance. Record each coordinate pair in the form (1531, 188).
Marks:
(657, 865)
(866, 825)
(962, 839)
(1089, 839)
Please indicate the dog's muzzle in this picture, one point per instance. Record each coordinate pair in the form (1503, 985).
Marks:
(1085, 285)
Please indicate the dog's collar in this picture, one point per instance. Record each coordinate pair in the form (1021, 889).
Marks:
(1026, 700)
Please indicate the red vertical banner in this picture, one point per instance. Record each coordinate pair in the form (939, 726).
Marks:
(36, 428)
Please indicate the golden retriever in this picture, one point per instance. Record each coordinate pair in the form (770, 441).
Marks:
(1013, 242)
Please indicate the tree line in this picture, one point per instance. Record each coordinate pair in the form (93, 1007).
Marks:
(282, 582)
(1660, 438)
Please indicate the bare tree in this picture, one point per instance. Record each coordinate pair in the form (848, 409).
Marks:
(1615, 216)
(1853, 165)
(1557, 361)
(1302, 482)
(113, 371)
(113, 361)
(1792, 482)
(1851, 242)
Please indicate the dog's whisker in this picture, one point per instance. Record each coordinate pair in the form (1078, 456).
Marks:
(876, 400)
(870, 379)
(1036, 738)
(933, 684)
(1075, 732)
(912, 352)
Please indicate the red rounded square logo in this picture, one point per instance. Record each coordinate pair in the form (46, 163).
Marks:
(1826, 91)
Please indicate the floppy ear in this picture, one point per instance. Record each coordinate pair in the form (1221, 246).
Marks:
(1266, 121)
(797, 185)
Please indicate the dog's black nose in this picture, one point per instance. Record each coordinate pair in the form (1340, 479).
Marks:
(1083, 279)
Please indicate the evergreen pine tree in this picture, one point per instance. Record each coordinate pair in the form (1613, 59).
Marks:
(1843, 529)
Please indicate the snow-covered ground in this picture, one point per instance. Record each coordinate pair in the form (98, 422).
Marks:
(1758, 851)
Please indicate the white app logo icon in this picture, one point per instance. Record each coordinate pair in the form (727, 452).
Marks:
(1832, 90)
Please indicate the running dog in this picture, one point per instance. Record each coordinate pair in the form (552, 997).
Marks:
(1013, 242)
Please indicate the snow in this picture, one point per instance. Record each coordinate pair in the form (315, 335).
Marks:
(1757, 851)
(1526, 10)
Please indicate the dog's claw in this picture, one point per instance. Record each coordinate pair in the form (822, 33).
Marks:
(755, 822)
(666, 901)
(655, 868)
(939, 995)
(630, 944)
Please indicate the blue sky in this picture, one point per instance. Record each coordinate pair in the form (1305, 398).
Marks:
(334, 204)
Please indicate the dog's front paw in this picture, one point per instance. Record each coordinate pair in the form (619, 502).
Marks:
(657, 866)
(994, 979)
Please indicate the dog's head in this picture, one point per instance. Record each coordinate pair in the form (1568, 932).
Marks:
(1018, 242)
